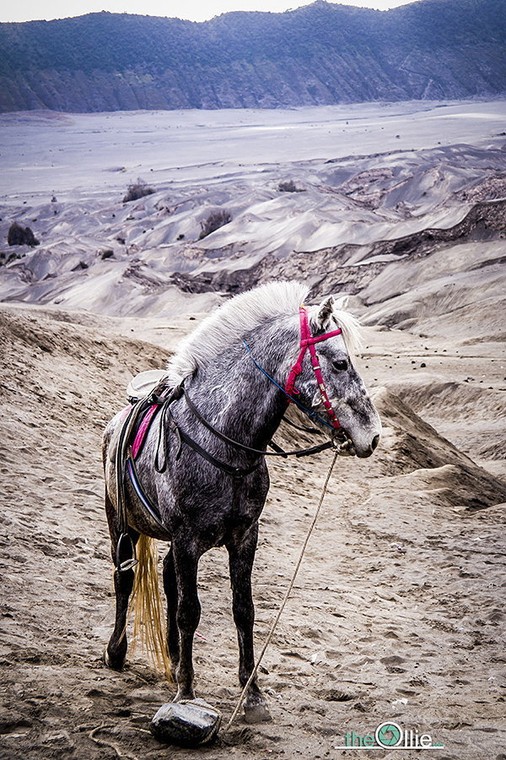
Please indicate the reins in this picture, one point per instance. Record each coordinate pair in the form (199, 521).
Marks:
(278, 451)
(235, 472)
(288, 591)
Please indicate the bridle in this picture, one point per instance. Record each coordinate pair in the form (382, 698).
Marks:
(307, 343)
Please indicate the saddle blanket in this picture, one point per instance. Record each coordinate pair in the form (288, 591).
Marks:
(142, 430)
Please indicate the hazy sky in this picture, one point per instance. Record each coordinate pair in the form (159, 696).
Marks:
(195, 10)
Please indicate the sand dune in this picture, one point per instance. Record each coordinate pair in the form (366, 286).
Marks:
(123, 258)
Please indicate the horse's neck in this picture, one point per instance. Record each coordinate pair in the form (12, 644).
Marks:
(236, 397)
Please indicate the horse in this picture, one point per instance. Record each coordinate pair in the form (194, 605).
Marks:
(201, 480)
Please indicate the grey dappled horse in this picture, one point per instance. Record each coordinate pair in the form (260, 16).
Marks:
(236, 369)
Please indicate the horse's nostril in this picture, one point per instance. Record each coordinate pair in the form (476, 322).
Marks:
(375, 442)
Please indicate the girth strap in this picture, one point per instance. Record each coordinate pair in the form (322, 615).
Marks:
(142, 495)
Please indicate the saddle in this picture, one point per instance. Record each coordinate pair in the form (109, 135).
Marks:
(148, 393)
(139, 388)
(144, 383)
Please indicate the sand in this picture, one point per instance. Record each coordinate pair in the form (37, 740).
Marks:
(398, 611)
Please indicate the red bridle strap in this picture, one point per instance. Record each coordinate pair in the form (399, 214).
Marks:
(307, 342)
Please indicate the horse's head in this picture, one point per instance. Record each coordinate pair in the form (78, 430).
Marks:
(325, 380)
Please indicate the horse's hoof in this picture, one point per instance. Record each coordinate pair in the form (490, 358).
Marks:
(111, 663)
(257, 713)
(183, 696)
(188, 723)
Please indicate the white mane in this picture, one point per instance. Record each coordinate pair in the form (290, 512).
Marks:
(231, 321)
(352, 330)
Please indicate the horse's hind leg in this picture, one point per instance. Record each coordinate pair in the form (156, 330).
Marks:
(170, 588)
(115, 653)
(241, 555)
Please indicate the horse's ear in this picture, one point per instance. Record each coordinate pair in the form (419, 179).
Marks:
(324, 314)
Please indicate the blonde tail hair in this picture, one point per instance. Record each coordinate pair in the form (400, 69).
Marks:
(146, 605)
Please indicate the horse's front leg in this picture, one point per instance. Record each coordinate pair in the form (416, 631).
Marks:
(241, 556)
(187, 615)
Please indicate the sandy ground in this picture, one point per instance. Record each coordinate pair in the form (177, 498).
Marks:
(398, 611)
(70, 152)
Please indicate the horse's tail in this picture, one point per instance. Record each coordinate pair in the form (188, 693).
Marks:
(146, 604)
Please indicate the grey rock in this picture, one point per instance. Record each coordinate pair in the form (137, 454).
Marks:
(187, 724)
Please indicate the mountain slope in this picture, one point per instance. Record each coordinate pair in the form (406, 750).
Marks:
(320, 54)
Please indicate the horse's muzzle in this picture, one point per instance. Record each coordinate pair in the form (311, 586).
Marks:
(364, 453)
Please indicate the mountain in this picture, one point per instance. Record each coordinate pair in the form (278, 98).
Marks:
(319, 54)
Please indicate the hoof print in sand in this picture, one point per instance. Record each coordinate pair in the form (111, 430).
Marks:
(257, 714)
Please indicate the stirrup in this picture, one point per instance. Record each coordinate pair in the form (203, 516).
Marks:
(127, 564)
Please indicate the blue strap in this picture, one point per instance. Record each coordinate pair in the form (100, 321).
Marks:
(141, 494)
(309, 412)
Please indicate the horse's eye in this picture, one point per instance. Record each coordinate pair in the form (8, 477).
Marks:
(340, 364)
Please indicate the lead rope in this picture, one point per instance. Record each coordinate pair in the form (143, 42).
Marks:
(285, 598)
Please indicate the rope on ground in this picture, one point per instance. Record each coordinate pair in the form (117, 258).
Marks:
(112, 745)
(285, 598)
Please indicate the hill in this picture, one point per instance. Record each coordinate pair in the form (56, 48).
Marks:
(320, 54)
